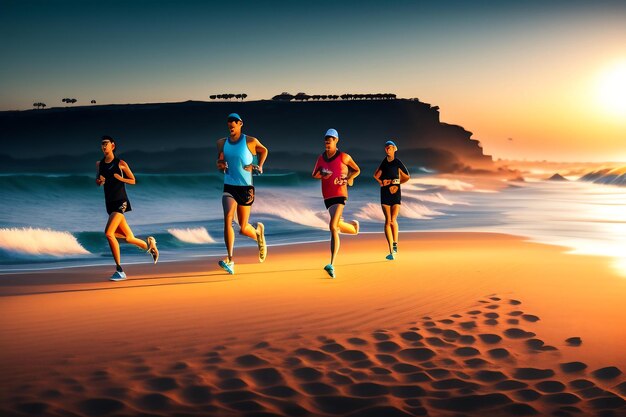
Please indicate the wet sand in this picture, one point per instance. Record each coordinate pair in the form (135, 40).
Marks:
(459, 324)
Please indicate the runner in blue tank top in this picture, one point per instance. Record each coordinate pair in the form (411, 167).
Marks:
(235, 158)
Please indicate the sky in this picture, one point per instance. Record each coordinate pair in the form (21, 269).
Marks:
(532, 80)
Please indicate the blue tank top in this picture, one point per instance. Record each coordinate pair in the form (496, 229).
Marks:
(237, 155)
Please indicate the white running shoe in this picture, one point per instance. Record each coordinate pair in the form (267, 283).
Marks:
(260, 240)
(152, 248)
(357, 226)
(118, 276)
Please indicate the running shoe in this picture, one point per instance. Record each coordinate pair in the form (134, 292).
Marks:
(390, 257)
(118, 276)
(330, 270)
(395, 247)
(260, 240)
(227, 266)
(356, 225)
(152, 249)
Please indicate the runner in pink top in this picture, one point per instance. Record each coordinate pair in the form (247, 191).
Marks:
(337, 170)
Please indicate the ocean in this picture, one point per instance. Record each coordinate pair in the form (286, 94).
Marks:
(57, 221)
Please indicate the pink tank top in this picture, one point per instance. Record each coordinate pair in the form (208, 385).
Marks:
(335, 185)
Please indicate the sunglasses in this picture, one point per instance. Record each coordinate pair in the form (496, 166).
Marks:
(233, 120)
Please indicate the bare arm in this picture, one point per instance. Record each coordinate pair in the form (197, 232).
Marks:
(128, 178)
(221, 163)
(404, 177)
(354, 170)
(261, 152)
(99, 178)
(377, 175)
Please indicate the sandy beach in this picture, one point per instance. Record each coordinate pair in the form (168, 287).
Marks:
(459, 324)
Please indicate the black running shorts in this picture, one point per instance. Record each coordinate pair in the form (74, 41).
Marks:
(335, 200)
(120, 206)
(390, 196)
(243, 194)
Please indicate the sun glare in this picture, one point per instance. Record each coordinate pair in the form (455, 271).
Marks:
(612, 89)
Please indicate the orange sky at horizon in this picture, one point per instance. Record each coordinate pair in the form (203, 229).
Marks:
(578, 115)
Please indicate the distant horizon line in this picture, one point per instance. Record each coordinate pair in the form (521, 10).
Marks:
(309, 99)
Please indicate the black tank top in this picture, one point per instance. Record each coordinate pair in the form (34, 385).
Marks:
(114, 189)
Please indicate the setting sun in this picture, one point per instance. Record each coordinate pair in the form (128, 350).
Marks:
(612, 89)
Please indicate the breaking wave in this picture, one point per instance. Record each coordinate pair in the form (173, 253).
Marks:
(31, 243)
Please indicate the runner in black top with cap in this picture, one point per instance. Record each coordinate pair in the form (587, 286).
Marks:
(114, 174)
(390, 174)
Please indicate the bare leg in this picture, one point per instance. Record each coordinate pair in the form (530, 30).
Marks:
(388, 227)
(110, 231)
(243, 215)
(395, 209)
(229, 205)
(335, 216)
(125, 230)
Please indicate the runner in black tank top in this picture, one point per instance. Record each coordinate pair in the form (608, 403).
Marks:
(114, 174)
(390, 174)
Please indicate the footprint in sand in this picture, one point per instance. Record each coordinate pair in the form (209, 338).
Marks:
(609, 372)
(307, 374)
(515, 333)
(161, 384)
(232, 384)
(475, 363)
(411, 336)
(357, 341)
(416, 354)
(570, 367)
(574, 341)
(381, 335)
(332, 348)
(266, 377)
(386, 359)
(387, 347)
(490, 338)
(498, 353)
(550, 386)
(352, 355)
(529, 317)
(466, 351)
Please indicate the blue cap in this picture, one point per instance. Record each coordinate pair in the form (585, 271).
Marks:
(332, 132)
(234, 116)
(392, 143)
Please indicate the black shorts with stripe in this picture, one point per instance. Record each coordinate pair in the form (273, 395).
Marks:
(243, 194)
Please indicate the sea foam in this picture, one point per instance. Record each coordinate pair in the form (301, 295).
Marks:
(373, 212)
(31, 242)
(197, 235)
